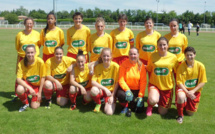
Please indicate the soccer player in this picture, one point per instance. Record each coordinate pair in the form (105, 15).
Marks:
(57, 78)
(77, 37)
(30, 78)
(99, 40)
(146, 41)
(51, 37)
(80, 79)
(197, 29)
(177, 41)
(132, 80)
(191, 77)
(123, 40)
(105, 82)
(160, 66)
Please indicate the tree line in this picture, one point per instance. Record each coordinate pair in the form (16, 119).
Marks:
(111, 16)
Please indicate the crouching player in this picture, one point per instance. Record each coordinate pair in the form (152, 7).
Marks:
(191, 77)
(80, 79)
(30, 78)
(57, 78)
(105, 82)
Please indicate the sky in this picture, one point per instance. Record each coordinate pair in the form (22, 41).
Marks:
(179, 6)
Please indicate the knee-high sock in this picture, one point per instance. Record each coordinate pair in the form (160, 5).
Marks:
(48, 93)
(180, 108)
(24, 98)
(73, 97)
(97, 98)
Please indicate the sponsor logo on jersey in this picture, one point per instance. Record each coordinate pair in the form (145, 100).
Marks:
(59, 76)
(78, 43)
(24, 46)
(121, 45)
(107, 82)
(148, 48)
(161, 71)
(84, 84)
(97, 50)
(51, 43)
(175, 50)
(191, 83)
(33, 78)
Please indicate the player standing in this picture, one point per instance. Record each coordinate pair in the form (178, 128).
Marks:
(99, 40)
(105, 82)
(146, 41)
(160, 66)
(77, 37)
(51, 37)
(191, 77)
(123, 40)
(30, 78)
(57, 78)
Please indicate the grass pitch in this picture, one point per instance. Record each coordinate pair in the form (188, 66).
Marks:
(83, 119)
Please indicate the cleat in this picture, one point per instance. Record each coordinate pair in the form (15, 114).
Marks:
(124, 110)
(97, 108)
(128, 113)
(149, 111)
(14, 98)
(156, 105)
(180, 119)
(72, 107)
(48, 104)
(23, 108)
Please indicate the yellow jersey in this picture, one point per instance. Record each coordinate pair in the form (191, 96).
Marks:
(23, 40)
(33, 73)
(191, 77)
(59, 71)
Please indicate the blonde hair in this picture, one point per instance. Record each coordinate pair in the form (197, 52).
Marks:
(104, 49)
(100, 19)
(139, 62)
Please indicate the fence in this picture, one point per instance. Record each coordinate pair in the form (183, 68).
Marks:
(133, 27)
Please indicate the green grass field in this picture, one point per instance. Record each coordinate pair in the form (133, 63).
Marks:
(84, 120)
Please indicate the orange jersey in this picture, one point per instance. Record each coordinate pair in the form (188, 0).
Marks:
(51, 40)
(77, 39)
(32, 73)
(130, 77)
(147, 44)
(83, 77)
(161, 70)
(177, 45)
(107, 77)
(59, 71)
(122, 40)
(191, 77)
(96, 44)
(23, 40)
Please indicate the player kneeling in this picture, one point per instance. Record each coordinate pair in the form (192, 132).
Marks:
(191, 77)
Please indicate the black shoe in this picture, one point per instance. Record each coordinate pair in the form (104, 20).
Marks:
(48, 104)
(128, 113)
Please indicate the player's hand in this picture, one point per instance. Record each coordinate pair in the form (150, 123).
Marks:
(83, 91)
(110, 100)
(59, 86)
(140, 102)
(32, 92)
(69, 69)
(39, 97)
(108, 93)
(191, 95)
(128, 95)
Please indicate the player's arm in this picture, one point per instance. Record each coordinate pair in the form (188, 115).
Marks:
(61, 38)
(143, 82)
(24, 84)
(96, 84)
(52, 79)
(42, 81)
(91, 66)
(131, 39)
(122, 83)
(76, 84)
(70, 68)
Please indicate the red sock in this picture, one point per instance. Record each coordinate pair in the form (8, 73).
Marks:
(97, 98)
(48, 93)
(149, 105)
(24, 98)
(180, 108)
(124, 104)
(73, 97)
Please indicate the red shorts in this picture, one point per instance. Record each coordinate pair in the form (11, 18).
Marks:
(46, 57)
(36, 89)
(144, 61)
(165, 96)
(191, 105)
(74, 56)
(119, 60)
(63, 92)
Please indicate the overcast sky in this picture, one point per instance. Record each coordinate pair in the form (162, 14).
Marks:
(180, 6)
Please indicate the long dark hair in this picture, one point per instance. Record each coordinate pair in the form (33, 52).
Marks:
(26, 59)
(47, 26)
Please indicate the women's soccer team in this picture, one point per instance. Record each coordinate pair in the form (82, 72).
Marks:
(108, 68)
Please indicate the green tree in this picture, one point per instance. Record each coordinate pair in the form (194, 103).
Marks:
(12, 18)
